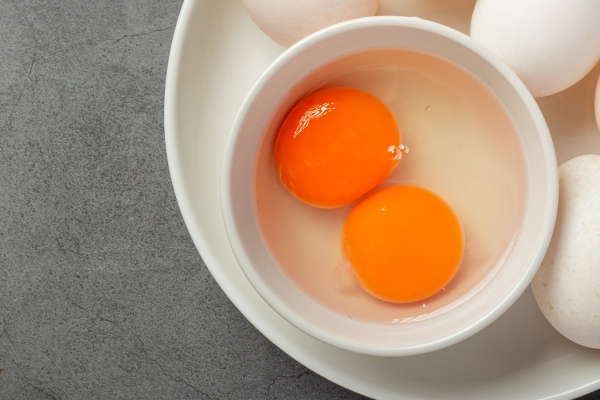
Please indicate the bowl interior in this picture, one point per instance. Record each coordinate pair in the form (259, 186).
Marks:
(464, 147)
(476, 138)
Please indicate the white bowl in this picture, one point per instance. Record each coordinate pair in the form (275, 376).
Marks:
(477, 138)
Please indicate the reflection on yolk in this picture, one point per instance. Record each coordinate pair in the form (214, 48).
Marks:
(336, 145)
(404, 243)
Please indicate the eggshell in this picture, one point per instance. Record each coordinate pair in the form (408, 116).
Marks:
(597, 103)
(550, 44)
(286, 21)
(567, 285)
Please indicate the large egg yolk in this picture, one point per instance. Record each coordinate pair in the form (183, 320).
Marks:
(336, 145)
(404, 243)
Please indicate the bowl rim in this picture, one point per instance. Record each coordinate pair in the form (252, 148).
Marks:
(534, 112)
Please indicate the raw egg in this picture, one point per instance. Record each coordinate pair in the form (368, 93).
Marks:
(336, 145)
(404, 243)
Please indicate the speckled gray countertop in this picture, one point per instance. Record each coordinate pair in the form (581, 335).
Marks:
(102, 293)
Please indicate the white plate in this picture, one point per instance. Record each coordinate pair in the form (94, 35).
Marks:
(217, 55)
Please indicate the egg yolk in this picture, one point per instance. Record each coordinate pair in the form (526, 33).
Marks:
(404, 243)
(336, 145)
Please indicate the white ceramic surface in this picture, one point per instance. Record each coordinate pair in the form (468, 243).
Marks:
(256, 215)
(217, 55)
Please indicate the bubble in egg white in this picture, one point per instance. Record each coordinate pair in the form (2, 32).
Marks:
(286, 21)
(567, 284)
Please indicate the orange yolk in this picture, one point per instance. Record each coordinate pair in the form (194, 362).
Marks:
(335, 146)
(404, 243)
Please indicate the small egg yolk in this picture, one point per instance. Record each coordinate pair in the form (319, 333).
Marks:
(404, 243)
(336, 145)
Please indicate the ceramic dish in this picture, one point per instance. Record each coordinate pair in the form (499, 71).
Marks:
(217, 55)
(286, 248)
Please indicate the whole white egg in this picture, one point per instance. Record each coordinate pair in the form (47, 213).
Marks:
(567, 284)
(597, 103)
(287, 21)
(550, 44)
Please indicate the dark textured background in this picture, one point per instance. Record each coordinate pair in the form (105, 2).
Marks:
(102, 293)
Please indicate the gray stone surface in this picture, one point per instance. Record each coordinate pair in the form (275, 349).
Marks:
(102, 293)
